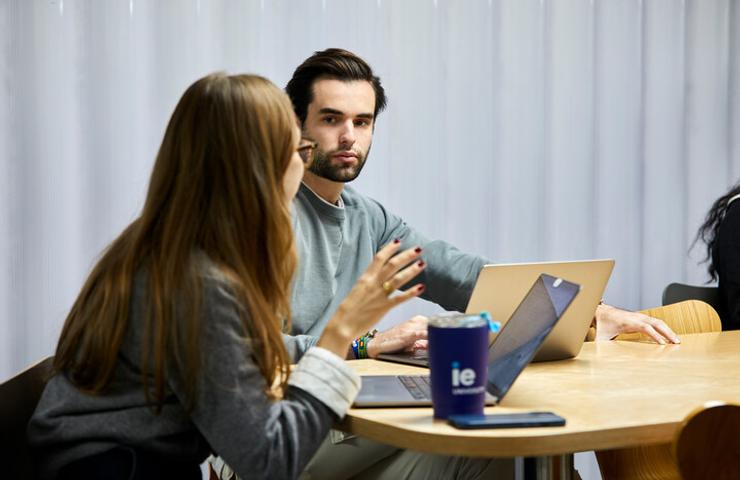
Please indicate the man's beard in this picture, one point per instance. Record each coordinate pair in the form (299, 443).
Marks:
(322, 166)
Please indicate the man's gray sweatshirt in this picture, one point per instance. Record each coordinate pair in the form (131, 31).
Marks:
(336, 244)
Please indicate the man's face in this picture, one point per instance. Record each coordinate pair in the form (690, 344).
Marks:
(340, 119)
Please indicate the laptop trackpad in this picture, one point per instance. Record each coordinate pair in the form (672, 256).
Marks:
(383, 388)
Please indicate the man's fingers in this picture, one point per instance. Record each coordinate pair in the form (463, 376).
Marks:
(666, 331)
(652, 333)
(399, 338)
(421, 344)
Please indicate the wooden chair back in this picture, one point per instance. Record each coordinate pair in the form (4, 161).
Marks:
(708, 443)
(18, 399)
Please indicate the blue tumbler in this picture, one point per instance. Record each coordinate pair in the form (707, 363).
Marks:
(458, 362)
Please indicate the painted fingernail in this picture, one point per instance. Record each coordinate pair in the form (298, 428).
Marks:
(421, 263)
(421, 288)
(396, 240)
(417, 249)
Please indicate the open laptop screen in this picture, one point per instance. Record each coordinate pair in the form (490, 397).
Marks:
(526, 330)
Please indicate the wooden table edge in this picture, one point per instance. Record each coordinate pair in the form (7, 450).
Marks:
(543, 441)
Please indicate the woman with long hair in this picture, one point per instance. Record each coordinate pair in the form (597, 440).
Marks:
(721, 234)
(173, 348)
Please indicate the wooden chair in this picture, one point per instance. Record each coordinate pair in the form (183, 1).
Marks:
(18, 399)
(708, 445)
(656, 462)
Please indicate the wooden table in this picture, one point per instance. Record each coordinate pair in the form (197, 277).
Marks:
(613, 395)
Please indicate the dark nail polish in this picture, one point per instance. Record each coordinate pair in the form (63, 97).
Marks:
(421, 288)
(396, 241)
(417, 249)
(421, 263)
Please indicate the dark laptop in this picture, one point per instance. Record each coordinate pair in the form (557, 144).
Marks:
(512, 350)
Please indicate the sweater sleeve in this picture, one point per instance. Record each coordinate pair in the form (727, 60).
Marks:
(298, 345)
(257, 436)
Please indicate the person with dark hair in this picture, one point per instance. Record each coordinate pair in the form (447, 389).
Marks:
(721, 234)
(174, 347)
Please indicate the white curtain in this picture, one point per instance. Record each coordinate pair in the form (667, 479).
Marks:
(519, 129)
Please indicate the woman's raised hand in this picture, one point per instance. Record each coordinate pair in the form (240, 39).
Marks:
(373, 295)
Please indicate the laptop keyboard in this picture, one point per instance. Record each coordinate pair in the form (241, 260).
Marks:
(419, 386)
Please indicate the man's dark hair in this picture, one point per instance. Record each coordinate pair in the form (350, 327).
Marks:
(331, 63)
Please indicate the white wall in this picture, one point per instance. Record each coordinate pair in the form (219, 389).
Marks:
(517, 129)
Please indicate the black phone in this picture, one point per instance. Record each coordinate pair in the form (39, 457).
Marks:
(507, 420)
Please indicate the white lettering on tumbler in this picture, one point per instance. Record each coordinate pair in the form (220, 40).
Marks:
(464, 378)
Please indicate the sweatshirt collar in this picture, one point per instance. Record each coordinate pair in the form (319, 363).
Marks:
(321, 205)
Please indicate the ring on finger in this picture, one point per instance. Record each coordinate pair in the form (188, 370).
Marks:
(387, 287)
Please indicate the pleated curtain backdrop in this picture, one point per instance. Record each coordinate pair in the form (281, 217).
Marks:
(519, 129)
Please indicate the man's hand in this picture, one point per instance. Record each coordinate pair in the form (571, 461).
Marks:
(611, 321)
(404, 336)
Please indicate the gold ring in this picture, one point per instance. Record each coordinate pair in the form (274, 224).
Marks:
(388, 288)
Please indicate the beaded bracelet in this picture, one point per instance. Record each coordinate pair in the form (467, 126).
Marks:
(359, 345)
(362, 347)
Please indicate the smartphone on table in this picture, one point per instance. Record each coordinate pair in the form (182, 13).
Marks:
(507, 420)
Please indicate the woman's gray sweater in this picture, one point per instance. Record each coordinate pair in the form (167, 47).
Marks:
(232, 417)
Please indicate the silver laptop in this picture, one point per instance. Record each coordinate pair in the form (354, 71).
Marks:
(500, 288)
(514, 347)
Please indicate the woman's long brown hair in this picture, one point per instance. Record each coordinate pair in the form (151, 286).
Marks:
(216, 188)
